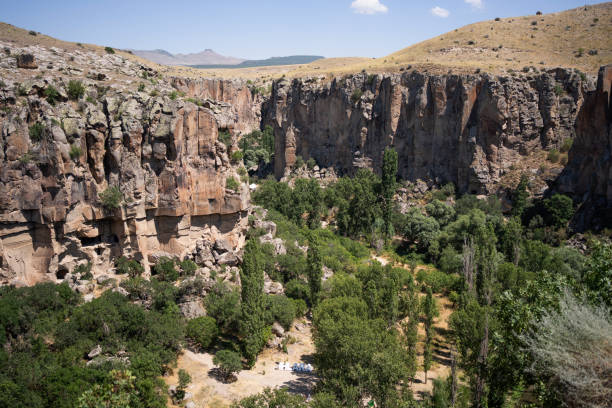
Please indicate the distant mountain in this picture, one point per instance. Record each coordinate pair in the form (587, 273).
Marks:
(290, 60)
(206, 57)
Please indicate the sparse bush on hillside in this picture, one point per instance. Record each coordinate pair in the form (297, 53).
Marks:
(172, 95)
(231, 184)
(553, 156)
(203, 331)
(76, 90)
(75, 152)
(109, 50)
(497, 19)
(237, 156)
(36, 132)
(32, 32)
(356, 96)
(225, 137)
(558, 90)
(567, 145)
(311, 163)
(141, 87)
(51, 94)
(111, 198)
(299, 162)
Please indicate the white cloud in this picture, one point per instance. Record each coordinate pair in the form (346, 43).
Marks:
(474, 3)
(368, 7)
(440, 12)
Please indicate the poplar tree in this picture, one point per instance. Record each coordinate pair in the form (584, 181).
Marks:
(253, 326)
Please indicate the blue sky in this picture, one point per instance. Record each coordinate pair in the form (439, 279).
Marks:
(260, 29)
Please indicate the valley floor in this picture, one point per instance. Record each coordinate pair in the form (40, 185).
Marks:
(207, 391)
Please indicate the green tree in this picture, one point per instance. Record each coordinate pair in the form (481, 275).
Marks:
(269, 398)
(315, 271)
(560, 209)
(253, 325)
(520, 196)
(117, 391)
(430, 311)
(228, 362)
(184, 379)
(388, 186)
(202, 330)
(598, 275)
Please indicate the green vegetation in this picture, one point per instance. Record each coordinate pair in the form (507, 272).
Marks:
(129, 267)
(109, 50)
(51, 94)
(76, 90)
(202, 331)
(356, 95)
(553, 156)
(225, 137)
(36, 132)
(257, 147)
(232, 184)
(75, 151)
(111, 198)
(228, 362)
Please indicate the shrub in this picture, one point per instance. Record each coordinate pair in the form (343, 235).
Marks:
(225, 137)
(76, 90)
(36, 132)
(497, 19)
(51, 95)
(553, 156)
(237, 156)
(84, 271)
(567, 145)
(32, 32)
(75, 151)
(438, 281)
(132, 267)
(141, 87)
(173, 95)
(311, 163)
(232, 184)
(111, 198)
(202, 331)
(281, 309)
(154, 93)
(109, 50)
(229, 362)
(188, 267)
(164, 270)
(299, 162)
(356, 96)
(558, 90)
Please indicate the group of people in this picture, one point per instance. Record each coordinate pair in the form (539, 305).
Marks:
(294, 367)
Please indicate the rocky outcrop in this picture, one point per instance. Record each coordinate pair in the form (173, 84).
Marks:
(465, 129)
(242, 109)
(162, 154)
(588, 175)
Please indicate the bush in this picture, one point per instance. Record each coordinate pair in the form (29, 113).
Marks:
(567, 145)
(111, 198)
(237, 156)
(75, 151)
(52, 95)
(229, 362)
(299, 162)
(232, 184)
(32, 32)
(188, 267)
(109, 50)
(438, 281)
(164, 270)
(131, 267)
(558, 90)
(173, 95)
(311, 163)
(203, 331)
(76, 90)
(141, 87)
(225, 137)
(280, 309)
(300, 307)
(553, 156)
(84, 271)
(356, 96)
(36, 132)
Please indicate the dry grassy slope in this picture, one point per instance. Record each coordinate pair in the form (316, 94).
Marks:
(554, 40)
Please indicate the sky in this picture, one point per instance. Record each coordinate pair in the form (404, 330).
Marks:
(256, 29)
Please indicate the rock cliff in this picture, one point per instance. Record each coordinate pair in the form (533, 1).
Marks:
(465, 129)
(162, 153)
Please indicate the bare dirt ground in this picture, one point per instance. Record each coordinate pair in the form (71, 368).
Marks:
(209, 392)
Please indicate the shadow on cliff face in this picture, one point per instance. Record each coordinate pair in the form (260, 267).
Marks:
(588, 174)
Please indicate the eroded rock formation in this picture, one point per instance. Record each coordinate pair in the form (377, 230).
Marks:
(465, 129)
(162, 154)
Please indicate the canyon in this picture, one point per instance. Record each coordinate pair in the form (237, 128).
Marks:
(160, 146)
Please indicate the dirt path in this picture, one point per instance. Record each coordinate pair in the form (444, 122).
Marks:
(207, 391)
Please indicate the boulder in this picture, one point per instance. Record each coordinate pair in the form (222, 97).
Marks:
(95, 352)
(26, 61)
(192, 309)
(278, 330)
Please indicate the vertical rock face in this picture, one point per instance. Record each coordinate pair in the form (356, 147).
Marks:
(236, 107)
(162, 154)
(465, 129)
(588, 175)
